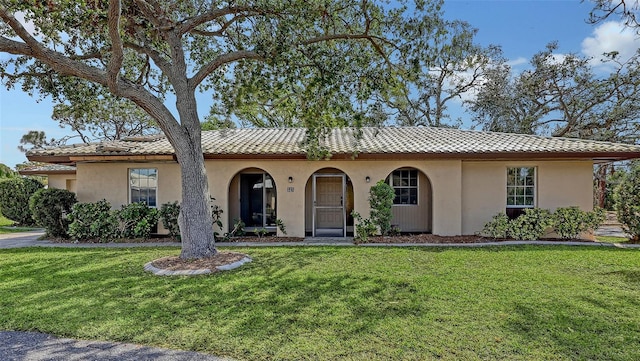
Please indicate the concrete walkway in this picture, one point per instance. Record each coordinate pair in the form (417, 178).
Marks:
(33, 346)
(30, 239)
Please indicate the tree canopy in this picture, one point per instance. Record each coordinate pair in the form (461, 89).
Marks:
(315, 63)
(563, 96)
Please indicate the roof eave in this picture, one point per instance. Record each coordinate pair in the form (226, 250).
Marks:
(595, 156)
(45, 172)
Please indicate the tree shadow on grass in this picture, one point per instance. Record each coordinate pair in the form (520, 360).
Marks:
(583, 330)
(106, 295)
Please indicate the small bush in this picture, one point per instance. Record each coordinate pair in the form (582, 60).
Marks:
(569, 222)
(381, 198)
(364, 227)
(237, 231)
(135, 220)
(281, 226)
(169, 215)
(50, 207)
(627, 202)
(498, 227)
(216, 217)
(14, 199)
(531, 225)
(92, 221)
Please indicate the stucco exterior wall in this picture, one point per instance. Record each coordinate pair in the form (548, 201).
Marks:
(62, 181)
(110, 181)
(558, 184)
(464, 194)
(444, 176)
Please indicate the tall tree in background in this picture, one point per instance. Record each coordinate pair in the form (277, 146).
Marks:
(142, 49)
(439, 69)
(95, 114)
(563, 96)
(37, 139)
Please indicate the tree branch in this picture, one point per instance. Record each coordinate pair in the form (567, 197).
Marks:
(191, 23)
(221, 60)
(117, 53)
(223, 27)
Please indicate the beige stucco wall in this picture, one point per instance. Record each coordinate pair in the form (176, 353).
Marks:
(559, 184)
(444, 175)
(62, 181)
(464, 194)
(110, 181)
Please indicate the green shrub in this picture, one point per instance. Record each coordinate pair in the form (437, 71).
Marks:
(237, 231)
(531, 225)
(281, 226)
(381, 198)
(216, 218)
(169, 215)
(135, 220)
(92, 221)
(50, 207)
(498, 227)
(627, 201)
(569, 222)
(364, 227)
(14, 198)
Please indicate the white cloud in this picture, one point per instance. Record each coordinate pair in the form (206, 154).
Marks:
(518, 61)
(608, 37)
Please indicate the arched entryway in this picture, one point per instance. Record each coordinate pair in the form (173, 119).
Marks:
(329, 203)
(252, 199)
(412, 206)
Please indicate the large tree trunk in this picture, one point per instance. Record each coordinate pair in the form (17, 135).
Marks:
(196, 224)
(196, 227)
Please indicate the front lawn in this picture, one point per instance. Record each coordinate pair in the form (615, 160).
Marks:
(5, 224)
(327, 303)
(4, 221)
(612, 239)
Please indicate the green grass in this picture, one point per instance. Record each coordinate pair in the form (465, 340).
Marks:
(5, 224)
(5, 221)
(612, 239)
(327, 303)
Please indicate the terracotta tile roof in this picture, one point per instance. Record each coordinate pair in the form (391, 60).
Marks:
(373, 141)
(44, 169)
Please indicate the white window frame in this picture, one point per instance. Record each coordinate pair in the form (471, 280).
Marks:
(416, 187)
(130, 184)
(525, 186)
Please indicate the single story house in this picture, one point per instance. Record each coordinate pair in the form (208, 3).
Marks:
(447, 181)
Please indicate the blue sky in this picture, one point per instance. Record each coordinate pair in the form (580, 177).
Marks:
(520, 27)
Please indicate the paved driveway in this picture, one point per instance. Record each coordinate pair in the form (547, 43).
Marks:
(21, 239)
(33, 346)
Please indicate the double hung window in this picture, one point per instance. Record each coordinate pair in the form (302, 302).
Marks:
(143, 186)
(521, 190)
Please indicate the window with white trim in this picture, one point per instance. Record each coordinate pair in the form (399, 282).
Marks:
(521, 189)
(143, 186)
(405, 183)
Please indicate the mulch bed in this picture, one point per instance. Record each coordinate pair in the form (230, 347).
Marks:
(402, 238)
(221, 258)
(431, 238)
(266, 239)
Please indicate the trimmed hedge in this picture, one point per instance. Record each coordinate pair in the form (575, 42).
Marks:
(567, 222)
(14, 199)
(50, 207)
(627, 202)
